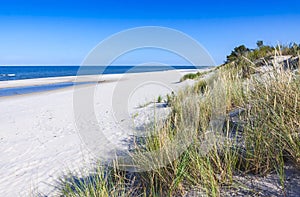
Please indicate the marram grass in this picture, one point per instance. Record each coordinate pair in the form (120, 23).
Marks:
(270, 137)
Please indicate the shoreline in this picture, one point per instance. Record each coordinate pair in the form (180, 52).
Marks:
(52, 80)
(105, 78)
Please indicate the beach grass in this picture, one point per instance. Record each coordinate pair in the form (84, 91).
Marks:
(194, 75)
(260, 140)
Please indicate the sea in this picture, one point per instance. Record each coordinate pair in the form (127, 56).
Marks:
(8, 73)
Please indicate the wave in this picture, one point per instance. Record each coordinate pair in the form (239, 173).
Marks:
(8, 75)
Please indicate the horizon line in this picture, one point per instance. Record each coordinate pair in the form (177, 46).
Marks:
(100, 65)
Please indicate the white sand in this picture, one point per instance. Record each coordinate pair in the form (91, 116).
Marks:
(38, 137)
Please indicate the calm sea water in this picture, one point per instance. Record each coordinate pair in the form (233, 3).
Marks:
(32, 72)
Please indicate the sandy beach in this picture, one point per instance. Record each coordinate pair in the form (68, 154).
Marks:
(38, 137)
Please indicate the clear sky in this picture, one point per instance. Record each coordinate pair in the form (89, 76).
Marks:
(50, 32)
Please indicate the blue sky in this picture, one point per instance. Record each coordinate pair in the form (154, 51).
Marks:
(62, 32)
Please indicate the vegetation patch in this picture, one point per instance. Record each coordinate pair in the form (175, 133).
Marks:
(261, 132)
